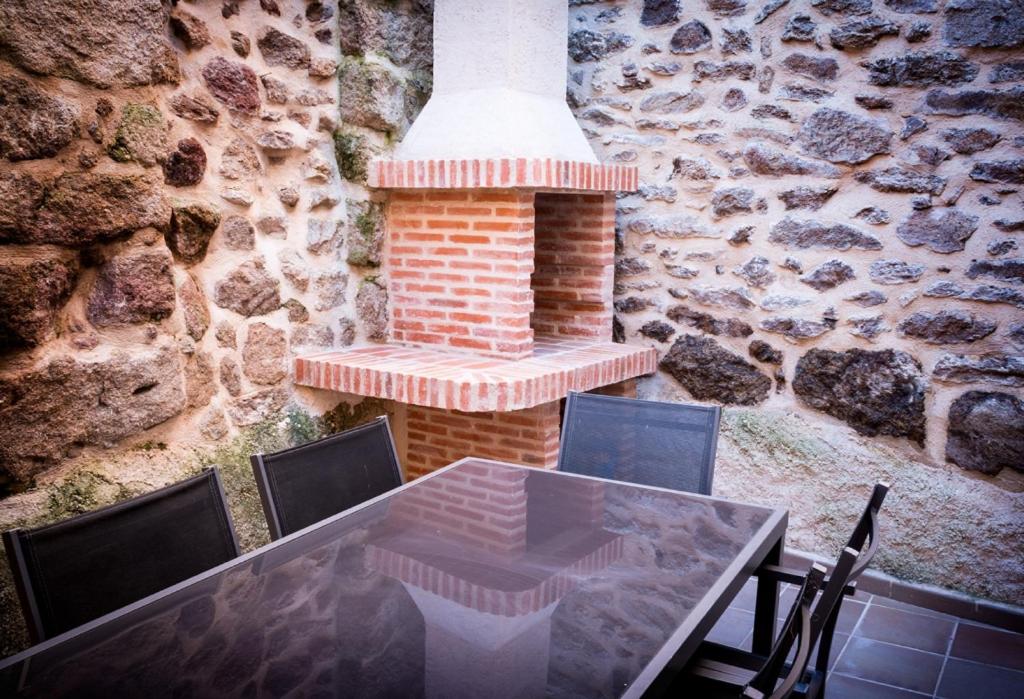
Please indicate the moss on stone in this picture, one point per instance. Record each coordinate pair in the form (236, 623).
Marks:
(150, 465)
(351, 154)
(139, 131)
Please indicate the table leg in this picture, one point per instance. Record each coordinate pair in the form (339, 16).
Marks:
(766, 605)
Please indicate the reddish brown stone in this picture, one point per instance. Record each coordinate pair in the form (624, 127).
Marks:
(186, 165)
(134, 287)
(233, 84)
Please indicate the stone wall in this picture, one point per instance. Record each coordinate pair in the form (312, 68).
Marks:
(182, 210)
(829, 226)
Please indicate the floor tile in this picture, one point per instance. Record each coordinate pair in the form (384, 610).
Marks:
(904, 628)
(963, 679)
(890, 664)
(984, 644)
(843, 687)
(732, 628)
(896, 604)
(747, 598)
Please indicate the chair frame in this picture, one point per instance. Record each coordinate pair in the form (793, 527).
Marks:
(708, 471)
(805, 622)
(264, 476)
(18, 553)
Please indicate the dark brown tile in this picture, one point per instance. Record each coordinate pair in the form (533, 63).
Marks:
(888, 664)
(843, 687)
(904, 628)
(732, 628)
(1005, 616)
(988, 645)
(906, 606)
(934, 599)
(963, 679)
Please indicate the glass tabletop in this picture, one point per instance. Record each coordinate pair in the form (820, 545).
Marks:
(481, 580)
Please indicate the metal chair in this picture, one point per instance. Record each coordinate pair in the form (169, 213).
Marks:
(669, 445)
(723, 671)
(305, 484)
(74, 571)
(865, 533)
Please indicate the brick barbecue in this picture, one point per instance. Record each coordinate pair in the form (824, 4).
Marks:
(499, 253)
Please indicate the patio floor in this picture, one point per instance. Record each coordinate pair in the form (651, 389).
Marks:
(892, 650)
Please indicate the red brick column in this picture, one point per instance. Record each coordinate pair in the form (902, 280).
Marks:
(437, 437)
(574, 265)
(459, 265)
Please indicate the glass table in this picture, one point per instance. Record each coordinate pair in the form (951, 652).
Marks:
(482, 579)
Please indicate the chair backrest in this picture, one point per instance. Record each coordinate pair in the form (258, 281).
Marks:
(74, 571)
(796, 629)
(305, 484)
(867, 531)
(669, 445)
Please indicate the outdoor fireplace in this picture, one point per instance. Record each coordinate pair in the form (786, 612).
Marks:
(500, 250)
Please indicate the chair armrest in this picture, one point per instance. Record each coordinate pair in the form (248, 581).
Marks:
(794, 577)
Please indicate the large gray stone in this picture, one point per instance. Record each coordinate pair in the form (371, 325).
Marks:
(724, 70)
(1010, 270)
(970, 140)
(280, 49)
(79, 209)
(842, 137)
(946, 327)
(735, 297)
(401, 31)
(586, 46)
(828, 275)
(105, 43)
(1000, 104)
(808, 233)
(985, 23)
(192, 226)
(707, 323)
(900, 179)
(764, 160)
(986, 293)
(815, 67)
(136, 286)
(656, 13)
(862, 33)
(1006, 171)
(671, 102)
(248, 290)
(842, 7)
(673, 226)
(940, 230)
(371, 96)
(48, 410)
(365, 233)
(994, 368)
(796, 329)
(264, 353)
(372, 309)
(756, 272)
(33, 124)
(731, 201)
(708, 371)
(895, 271)
(986, 432)
(35, 283)
(920, 69)
(691, 37)
(875, 392)
(807, 197)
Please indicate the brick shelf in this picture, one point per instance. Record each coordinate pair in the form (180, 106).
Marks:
(443, 379)
(501, 173)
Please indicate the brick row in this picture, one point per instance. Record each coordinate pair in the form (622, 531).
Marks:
(502, 173)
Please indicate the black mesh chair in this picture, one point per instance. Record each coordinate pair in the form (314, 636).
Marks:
(74, 571)
(669, 445)
(305, 484)
(718, 671)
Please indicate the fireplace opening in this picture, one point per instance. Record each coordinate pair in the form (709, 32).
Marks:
(573, 265)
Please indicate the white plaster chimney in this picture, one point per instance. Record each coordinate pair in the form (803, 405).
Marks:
(499, 85)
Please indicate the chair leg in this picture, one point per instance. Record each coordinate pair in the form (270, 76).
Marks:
(825, 646)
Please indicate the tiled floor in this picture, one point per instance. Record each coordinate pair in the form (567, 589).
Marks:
(888, 649)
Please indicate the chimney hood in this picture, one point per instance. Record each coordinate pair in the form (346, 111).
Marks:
(499, 85)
